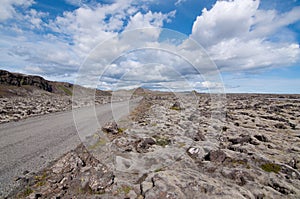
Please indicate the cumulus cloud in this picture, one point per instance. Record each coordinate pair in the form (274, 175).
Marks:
(8, 8)
(89, 26)
(148, 20)
(238, 35)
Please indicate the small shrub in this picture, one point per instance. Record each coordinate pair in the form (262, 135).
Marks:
(175, 108)
(162, 141)
(158, 170)
(65, 90)
(126, 189)
(270, 167)
(27, 192)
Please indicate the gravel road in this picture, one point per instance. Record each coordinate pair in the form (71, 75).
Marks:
(30, 144)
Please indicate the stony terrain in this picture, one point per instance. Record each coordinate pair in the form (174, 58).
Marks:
(23, 96)
(16, 108)
(180, 147)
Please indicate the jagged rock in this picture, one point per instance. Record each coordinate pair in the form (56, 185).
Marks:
(145, 144)
(176, 106)
(199, 136)
(146, 186)
(111, 127)
(280, 187)
(240, 140)
(215, 156)
(164, 186)
(240, 177)
(237, 149)
(131, 195)
(280, 126)
(261, 138)
(293, 163)
(196, 153)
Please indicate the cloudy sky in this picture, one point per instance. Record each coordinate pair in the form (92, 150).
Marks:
(235, 45)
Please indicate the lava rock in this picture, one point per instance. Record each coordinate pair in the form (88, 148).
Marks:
(215, 156)
(111, 127)
(199, 136)
(261, 138)
(145, 144)
(240, 140)
(176, 106)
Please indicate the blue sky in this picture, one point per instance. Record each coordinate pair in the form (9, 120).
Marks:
(244, 45)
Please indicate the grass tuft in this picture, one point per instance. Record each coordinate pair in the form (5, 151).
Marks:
(64, 89)
(270, 167)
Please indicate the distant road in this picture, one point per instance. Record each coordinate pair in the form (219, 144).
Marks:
(30, 144)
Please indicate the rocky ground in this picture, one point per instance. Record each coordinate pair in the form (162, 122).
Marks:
(16, 108)
(183, 147)
(23, 96)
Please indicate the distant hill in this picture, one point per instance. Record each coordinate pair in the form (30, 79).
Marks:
(17, 84)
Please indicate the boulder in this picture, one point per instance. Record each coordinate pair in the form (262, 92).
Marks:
(217, 156)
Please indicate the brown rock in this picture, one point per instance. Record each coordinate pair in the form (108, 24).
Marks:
(261, 138)
(111, 127)
(215, 156)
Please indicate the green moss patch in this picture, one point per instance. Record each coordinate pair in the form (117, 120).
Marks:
(270, 167)
(175, 108)
(64, 89)
(162, 141)
(25, 193)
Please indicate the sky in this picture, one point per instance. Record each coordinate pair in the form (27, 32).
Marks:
(234, 46)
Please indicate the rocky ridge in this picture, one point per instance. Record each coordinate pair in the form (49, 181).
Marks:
(23, 96)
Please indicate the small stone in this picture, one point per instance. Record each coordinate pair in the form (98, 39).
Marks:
(261, 138)
(146, 186)
(176, 106)
(280, 126)
(131, 194)
(111, 127)
(149, 141)
(215, 156)
(25, 172)
(193, 152)
(240, 140)
(199, 136)
(85, 169)
(85, 184)
(293, 163)
(254, 141)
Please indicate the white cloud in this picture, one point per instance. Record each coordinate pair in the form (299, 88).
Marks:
(178, 2)
(33, 69)
(89, 26)
(149, 19)
(7, 8)
(238, 35)
(75, 2)
(211, 85)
